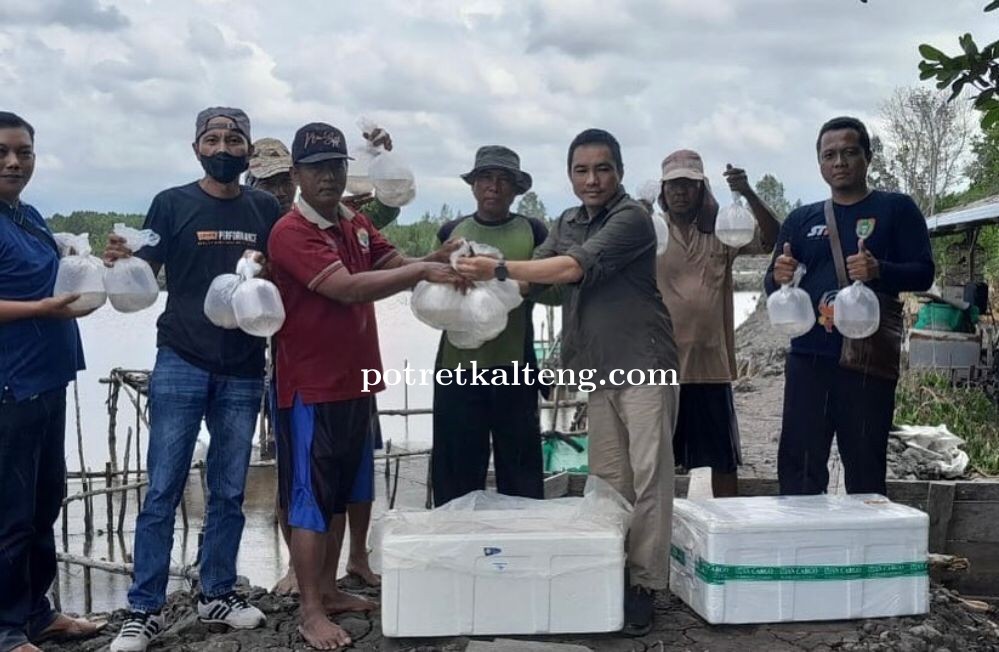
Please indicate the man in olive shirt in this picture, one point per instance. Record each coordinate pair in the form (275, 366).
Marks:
(466, 416)
(614, 322)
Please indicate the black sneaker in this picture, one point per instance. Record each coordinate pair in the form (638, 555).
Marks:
(639, 607)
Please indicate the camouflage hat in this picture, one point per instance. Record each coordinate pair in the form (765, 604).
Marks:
(270, 157)
(683, 164)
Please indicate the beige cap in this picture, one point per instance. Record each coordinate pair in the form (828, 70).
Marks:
(270, 157)
(683, 164)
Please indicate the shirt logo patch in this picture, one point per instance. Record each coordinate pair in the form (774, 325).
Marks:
(865, 227)
(363, 238)
(818, 231)
(225, 237)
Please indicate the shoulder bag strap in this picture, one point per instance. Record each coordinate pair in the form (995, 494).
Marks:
(834, 243)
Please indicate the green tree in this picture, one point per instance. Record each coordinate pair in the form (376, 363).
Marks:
(530, 205)
(419, 238)
(976, 68)
(926, 137)
(771, 191)
(879, 176)
(98, 225)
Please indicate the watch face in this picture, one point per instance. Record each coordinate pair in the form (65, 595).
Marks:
(501, 272)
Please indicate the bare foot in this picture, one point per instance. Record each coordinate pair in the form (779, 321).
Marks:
(26, 647)
(338, 602)
(287, 585)
(363, 572)
(321, 634)
(64, 628)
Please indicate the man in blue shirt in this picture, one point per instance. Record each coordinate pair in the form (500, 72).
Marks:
(886, 246)
(40, 352)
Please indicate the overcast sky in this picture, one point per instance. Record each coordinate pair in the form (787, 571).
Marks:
(113, 86)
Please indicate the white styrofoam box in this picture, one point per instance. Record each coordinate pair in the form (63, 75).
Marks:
(793, 558)
(549, 567)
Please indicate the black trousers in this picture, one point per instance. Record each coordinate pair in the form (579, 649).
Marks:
(822, 399)
(32, 474)
(464, 418)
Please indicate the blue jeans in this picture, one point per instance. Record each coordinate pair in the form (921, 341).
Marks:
(180, 395)
(32, 477)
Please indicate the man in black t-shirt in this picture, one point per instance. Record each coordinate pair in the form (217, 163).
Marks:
(201, 372)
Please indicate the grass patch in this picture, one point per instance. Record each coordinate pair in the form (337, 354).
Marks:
(928, 398)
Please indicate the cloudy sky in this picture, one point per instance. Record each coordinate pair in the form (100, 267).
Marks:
(113, 86)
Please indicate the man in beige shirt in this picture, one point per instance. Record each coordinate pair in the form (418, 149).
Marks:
(695, 279)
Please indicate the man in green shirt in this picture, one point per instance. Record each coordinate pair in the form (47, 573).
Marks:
(466, 415)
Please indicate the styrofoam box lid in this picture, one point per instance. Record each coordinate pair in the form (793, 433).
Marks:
(823, 512)
(500, 522)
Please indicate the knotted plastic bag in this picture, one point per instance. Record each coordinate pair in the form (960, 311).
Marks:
(473, 318)
(358, 182)
(256, 302)
(131, 284)
(856, 311)
(79, 272)
(218, 301)
(648, 194)
(735, 225)
(790, 308)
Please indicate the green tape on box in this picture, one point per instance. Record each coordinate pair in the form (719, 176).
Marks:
(721, 573)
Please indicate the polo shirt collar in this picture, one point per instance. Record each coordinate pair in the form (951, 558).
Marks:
(312, 215)
(583, 217)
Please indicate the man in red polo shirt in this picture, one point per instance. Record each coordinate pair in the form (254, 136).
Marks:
(331, 264)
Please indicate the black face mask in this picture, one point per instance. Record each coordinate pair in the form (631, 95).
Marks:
(224, 167)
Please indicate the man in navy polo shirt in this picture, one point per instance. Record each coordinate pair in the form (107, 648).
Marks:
(331, 264)
(885, 245)
(202, 372)
(40, 352)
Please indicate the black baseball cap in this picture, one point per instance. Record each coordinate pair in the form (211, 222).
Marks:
(318, 141)
(237, 120)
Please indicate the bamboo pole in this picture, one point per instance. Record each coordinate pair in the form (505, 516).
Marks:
(121, 568)
(123, 503)
(84, 495)
(138, 451)
(88, 595)
(113, 389)
(79, 449)
(109, 506)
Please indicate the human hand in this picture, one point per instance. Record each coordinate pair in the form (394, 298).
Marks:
(58, 307)
(738, 180)
(784, 266)
(115, 249)
(379, 138)
(477, 268)
(862, 266)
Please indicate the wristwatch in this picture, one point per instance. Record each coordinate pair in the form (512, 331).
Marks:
(500, 271)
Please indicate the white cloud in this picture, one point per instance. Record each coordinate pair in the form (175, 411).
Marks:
(113, 86)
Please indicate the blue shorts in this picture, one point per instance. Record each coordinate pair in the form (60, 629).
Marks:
(321, 447)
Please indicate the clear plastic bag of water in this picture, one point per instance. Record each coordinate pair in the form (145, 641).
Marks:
(79, 272)
(358, 182)
(790, 308)
(473, 318)
(218, 301)
(392, 179)
(662, 232)
(735, 225)
(131, 284)
(258, 308)
(856, 311)
(256, 302)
